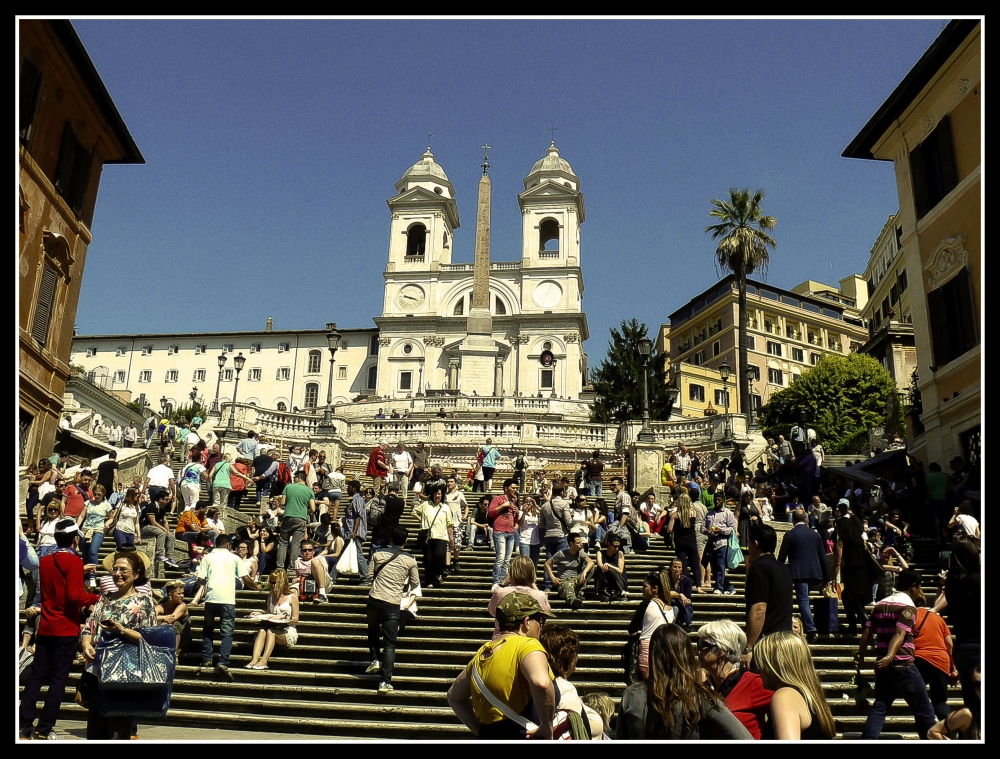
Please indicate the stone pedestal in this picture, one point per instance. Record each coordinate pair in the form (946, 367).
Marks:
(478, 368)
(645, 462)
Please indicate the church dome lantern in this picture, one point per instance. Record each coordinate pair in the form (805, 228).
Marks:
(553, 167)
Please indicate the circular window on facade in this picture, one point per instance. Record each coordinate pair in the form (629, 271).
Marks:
(407, 349)
(546, 346)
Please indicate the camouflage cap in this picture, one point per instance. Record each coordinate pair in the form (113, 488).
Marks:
(517, 606)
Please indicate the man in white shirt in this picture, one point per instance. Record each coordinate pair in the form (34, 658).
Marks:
(402, 467)
(798, 438)
(159, 479)
(129, 435)
(218, 572)
(114, 434)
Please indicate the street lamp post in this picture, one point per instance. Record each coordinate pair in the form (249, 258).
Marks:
(749, 371)
(215, 403)
(724, 372)
(163, 405)
(645, 347)
(238, 362)
(332, 343)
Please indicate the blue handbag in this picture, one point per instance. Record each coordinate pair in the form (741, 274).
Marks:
(121, 665)
(734, 556)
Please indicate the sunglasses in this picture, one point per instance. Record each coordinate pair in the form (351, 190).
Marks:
(704, 645)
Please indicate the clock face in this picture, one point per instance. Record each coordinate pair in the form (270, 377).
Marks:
(547, 294)
(410, 297)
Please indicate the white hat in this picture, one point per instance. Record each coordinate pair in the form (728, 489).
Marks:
(66, 527)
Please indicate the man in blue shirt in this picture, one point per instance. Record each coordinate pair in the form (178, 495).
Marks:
(355, 526)
(490, 458)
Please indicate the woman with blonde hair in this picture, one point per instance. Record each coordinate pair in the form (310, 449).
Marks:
(278, 628)
(125, 520)
(520, 579)
(683, 525)
(799, 710)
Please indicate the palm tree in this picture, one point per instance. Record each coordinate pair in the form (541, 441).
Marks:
(743, 238)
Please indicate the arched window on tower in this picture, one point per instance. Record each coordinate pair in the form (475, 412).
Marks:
(416, 237)
(501, 309)
(548, 235)
(459, 307)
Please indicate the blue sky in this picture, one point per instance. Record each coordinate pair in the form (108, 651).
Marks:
(272, 146)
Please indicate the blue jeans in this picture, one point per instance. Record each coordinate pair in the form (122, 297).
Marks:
(191, 537)
(802, 596)
(719, 569)
(682, 614)
(263, 490)
(533, 552)
(596, 488)
(91, 547)
(552, 547)
(899, 681)
(503, 544)
(226, 613)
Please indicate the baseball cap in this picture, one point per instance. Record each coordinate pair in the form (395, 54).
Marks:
(517, 606)
(66, 527)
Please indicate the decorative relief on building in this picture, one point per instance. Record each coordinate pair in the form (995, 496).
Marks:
(572, 337)
(948, 258)
(384, 341)
(928, 123)
(964, 86)
(436, 342)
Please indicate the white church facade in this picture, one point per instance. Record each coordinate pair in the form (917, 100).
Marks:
(419, 347)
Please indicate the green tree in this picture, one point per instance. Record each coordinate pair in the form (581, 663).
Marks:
(742, 249)
(618, 379)
(842, 398)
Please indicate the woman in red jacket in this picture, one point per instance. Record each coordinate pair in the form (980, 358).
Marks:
(720, 646)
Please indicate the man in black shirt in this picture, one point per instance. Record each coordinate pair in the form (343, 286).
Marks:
(768, 587)
(107, 473)
(265, 467)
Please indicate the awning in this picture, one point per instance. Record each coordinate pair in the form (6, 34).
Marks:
(869, 470)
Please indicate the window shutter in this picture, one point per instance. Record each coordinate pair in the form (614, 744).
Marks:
(30, 79)
(946, 151)
(43, 307)
(939, 327)
(918, 177)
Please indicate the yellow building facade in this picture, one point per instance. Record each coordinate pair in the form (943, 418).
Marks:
(930, 127)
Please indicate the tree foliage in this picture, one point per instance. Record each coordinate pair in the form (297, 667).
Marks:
(842, 397)
(618, 379)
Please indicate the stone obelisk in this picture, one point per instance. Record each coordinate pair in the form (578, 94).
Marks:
(478, 350)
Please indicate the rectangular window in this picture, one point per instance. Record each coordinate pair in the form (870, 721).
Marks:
(699, 358)
(952, 318)
(147, 350)
(341, 372)
(312, 395)
(405, 380)
(775, 376)
(284, 373)
(227, 348)
(894, 293)
(255, 347)
(199, 375)
(773, 348)
(172, 350)
(548, 379)
(199, 350)
(696, 393)
(91, 352)
(254, 374)
(814, 358)
(284, 347)
(72, 170)
(798, 355)
(146, 375)
(757, 401)
(756, 372)
(722, 398)
(120, 350)
(227, 375)
(767, 326)
(751, 343)
(44, 304)
(790, 332)
(716, 348)
(932, 166)
(171, 375)
(31, 79)
(372, 377)
(832, 344)
(315, 362)
(119, 376)
(373, 346)
(795, 376)
(901, 281)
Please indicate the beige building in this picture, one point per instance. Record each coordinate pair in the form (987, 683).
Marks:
(930, 128)
(789, 330)
(69, 129)
(888, 314)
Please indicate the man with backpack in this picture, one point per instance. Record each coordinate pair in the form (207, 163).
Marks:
(150, 428)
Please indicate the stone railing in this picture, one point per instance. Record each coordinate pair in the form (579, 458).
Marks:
(421, 405)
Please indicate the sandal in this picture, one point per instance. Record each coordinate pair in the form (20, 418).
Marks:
(251, 665)
(259, 666)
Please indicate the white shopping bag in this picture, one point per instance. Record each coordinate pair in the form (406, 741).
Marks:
(347, 564)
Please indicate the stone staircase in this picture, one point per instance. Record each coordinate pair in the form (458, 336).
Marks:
(319, 686)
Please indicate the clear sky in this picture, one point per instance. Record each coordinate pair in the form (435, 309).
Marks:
(272, 146)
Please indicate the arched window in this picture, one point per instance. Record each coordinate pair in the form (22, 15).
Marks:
(312, 395)
(548, 235)
(459, 307)
(416, 237)
(501, 309)
(372, 377)
(282, 406)
(315, 357)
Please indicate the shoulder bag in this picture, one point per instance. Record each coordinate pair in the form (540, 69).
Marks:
(734, 557)
(423, 535)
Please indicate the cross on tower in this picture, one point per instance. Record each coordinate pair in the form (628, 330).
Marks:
(553, 130)
(428, 136)
(486, 158)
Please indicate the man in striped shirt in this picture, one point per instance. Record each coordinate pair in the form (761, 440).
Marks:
(896, 676)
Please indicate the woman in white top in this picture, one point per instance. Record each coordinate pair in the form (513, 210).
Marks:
(248, 564)
(125, 520)
(47, 531)
(655, 610)
(527, 523)
(283, 603)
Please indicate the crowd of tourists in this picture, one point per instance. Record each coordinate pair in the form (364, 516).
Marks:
(849, 540)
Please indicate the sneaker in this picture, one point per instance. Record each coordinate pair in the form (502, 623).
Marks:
(171, 563)
(323, 598)
(717, 592)
(373, 667)
(384, 687)
(315, 598)
(49, 736)
(161, 559)
(577, 604)
(206, 663)
(812, 636)
(730, 592)
(223, 671)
